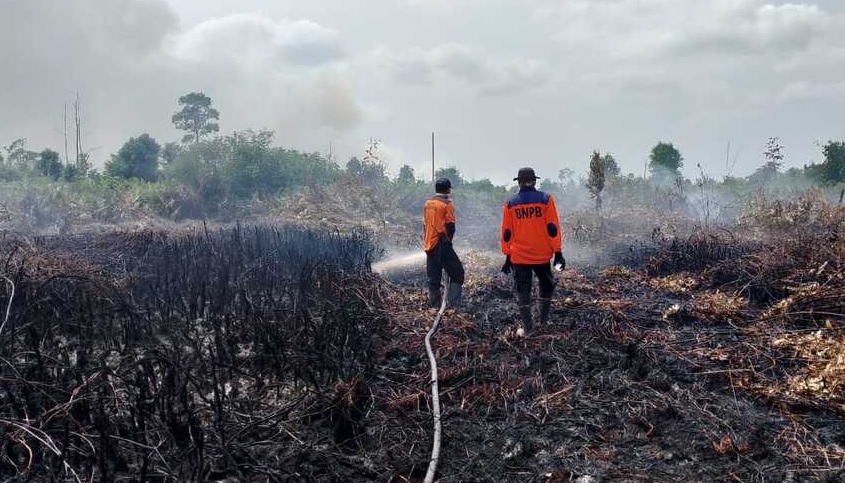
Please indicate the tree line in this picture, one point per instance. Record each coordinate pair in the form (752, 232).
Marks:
(246, 164)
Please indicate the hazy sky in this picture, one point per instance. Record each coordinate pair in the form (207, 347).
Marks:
(502, 83)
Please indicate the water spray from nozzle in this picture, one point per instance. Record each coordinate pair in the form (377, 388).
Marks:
(400, 261)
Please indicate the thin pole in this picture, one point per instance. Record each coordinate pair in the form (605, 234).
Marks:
(432, 157)
(64, 118)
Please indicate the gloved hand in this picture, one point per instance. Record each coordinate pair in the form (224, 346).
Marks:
(560, 262)
(506, 268)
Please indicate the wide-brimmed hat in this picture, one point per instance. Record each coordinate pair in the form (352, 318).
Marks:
(526, 174)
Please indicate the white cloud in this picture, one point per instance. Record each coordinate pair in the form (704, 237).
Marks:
(446, 6)
(655, 30)
(255, 39)
(502, 82)
(804, 91)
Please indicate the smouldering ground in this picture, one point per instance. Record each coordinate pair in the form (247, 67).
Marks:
(636, 377)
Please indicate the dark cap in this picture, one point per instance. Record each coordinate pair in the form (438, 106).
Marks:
(526, 174)
(442, 185)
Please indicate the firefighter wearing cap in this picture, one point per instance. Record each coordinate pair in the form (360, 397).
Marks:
(530, 237)
(438, 231)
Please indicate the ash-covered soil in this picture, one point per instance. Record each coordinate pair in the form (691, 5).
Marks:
(635, 378)
(264, 355)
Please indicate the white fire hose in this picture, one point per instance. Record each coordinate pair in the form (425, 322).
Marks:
(435, 391)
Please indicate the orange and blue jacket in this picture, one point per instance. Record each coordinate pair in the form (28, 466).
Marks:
(438, 221)
(530, 227)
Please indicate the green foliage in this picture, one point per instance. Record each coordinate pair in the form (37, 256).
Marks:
(773, 153)
(483, 185)
(832, 169)
(251, 167)
(816, 172)
(137, 158)
(406, 175)
(244, 166)
(834, 161)
(72, 172)
(198, 168)
(452, 173)
(49, 165)
(370, 171)
(311, 169)
(18, 157)
(611, 167)
(168, 199)
(254, 167)
(195, 164)
(665, 161)
(196, 116)
(596, 178)
(8, 173)
(170, 151)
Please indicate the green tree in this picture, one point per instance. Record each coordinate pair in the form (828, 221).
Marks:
(611, 168)
(406, 175)
(665, 161)
(49, 164)
(370, 171)
(18, 157)
(252, 167)
(452, 173)
(773, 153)
(834, 161)
(198, 167)
(302, 169)
(196, 116)
(482, 188)
(137, 158)
(170, 151)
(595, 180)
(354, 166)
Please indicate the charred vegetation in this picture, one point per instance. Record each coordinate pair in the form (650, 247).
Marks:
(273, 353)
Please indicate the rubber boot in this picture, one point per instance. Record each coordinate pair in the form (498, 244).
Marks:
(524, 302)
(454, 298)
(435, 298)
(525, 315)
(545, 308)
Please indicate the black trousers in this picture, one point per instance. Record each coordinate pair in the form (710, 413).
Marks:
(443, 257)
(522, 274)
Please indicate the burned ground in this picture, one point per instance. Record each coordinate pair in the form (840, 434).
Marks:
(249, 354)
(637, 377)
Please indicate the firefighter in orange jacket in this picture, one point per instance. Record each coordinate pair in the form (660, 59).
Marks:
(438, 231)
(530, 238)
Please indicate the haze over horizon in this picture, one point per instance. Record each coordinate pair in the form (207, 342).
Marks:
(502, 83)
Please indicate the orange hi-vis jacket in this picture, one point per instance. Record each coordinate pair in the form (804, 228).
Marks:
(438, 214)
(530, 227)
